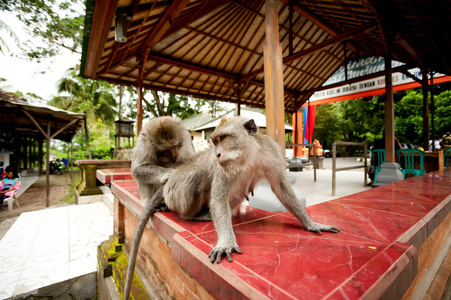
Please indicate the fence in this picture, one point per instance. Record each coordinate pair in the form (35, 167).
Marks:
(310, 162)
(334, 161)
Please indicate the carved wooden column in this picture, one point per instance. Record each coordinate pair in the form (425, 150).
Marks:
(274, 94)
(389, 111)
(425, 87)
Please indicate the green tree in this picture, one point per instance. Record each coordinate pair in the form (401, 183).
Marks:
(98, 100)
(58, 23)
(6, 29)
(409, 118)
(326, 125)
(94, 97)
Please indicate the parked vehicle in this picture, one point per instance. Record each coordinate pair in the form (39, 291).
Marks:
(56, 167)
(328, 153)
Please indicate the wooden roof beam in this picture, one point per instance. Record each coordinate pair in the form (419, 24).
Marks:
(184, 65)
(319, 47)
(101, 25)
(315, 20)
(164, 24)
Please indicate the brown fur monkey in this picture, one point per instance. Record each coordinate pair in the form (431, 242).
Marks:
(217, 180)
(162, 144)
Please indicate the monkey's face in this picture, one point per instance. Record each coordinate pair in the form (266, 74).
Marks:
(169, 155)
(231, 139)
(169, 140)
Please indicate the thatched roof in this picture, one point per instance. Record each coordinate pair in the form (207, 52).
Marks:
(213, 49)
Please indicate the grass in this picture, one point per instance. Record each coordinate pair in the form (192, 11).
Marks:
(75, 179)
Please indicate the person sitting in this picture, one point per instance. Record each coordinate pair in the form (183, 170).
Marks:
(8, 185)
(434, 145)
(7, 169)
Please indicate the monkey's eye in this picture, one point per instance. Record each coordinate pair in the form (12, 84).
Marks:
(222, 137)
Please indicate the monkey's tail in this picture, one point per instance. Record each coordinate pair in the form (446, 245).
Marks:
(149, 209)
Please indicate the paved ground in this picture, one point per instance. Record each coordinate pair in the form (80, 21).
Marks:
(44, 246)
(347, 182)
(34, 198)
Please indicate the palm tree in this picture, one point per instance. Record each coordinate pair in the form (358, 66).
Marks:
(96, 98)
(5, 28)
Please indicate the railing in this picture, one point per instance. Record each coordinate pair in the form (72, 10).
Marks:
(334, 161)
(313, 162)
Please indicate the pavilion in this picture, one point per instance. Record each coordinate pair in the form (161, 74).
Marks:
(26, 125)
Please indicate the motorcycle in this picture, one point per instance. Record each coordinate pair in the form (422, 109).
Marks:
(57, 167)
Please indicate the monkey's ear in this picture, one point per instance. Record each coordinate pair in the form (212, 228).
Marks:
(251, 127)
(223, 121)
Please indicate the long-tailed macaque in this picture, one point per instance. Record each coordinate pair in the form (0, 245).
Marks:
(162, 144)
(217, 180)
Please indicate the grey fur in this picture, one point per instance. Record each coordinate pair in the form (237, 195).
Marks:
(162, 144)
(217, 180)
(229, 172)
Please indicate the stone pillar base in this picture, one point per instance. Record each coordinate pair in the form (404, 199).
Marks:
(390, 172)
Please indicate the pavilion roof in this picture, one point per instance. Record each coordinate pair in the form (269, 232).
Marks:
(64, 124)
(213, 49)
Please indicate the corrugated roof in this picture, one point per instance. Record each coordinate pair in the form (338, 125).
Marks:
(41, 113)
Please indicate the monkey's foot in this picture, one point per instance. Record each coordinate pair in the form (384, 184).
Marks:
(319, 228)
(217, 252)
(162, 208)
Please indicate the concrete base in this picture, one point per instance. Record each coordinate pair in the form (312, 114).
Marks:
(390, 172)
(80, 199)
(265, 199)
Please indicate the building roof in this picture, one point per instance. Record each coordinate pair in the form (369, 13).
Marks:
(28, 115)
(195, 121)
(213, 49)
(258, 117)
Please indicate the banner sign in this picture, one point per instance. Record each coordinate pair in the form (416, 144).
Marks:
(367, 65)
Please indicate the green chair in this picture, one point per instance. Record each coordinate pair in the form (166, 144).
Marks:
(408, 162)
(445, 157)
(378, 158)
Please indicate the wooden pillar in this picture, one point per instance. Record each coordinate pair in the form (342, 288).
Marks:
(389, 111)
(424, 85)
(273, 65)
(432, 113)
(40, 155)
(25, 144)
(139, 112)
(139, 109)
(87, 137)
(47, 171)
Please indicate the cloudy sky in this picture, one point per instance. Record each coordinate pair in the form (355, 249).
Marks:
(30, 77)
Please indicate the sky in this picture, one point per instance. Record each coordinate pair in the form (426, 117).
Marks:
(27, 76)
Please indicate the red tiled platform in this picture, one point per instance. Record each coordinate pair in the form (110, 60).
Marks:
(374, 255)
(107, 176)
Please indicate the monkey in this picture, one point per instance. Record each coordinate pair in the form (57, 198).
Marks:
(212, 183)
(162, 144)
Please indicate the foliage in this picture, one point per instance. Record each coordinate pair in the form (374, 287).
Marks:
(75, 180)
(364, 121)
(58, 23)
(157, 104)
(98, 100)
(6, 29)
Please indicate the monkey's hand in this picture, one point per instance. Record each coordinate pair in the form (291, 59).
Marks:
(166, 175)
(319, 228)
(223, 248)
